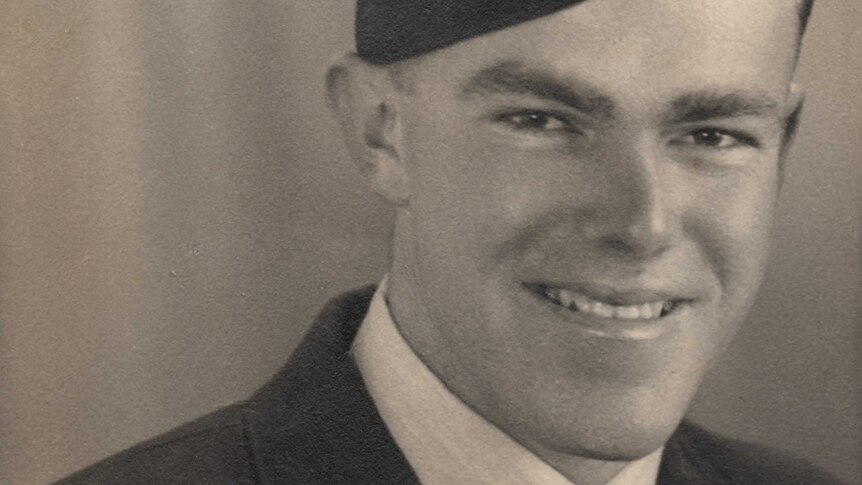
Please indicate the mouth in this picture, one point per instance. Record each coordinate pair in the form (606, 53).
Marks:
(624, 306)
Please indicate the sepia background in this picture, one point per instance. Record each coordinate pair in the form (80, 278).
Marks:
(175, 206)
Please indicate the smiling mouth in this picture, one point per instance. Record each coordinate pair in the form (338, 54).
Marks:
(642, 308)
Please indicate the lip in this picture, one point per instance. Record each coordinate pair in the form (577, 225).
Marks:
(614, 328)
(616, 296)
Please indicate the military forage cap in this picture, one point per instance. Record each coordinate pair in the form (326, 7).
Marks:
(389, 31)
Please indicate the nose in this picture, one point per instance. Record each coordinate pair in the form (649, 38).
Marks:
(633, 215)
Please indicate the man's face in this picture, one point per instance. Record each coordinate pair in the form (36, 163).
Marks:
(588, 207)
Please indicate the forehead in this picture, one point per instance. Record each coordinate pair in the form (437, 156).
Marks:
(658, 44)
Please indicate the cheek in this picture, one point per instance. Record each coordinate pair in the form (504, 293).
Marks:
(734, 229)
(469, 190)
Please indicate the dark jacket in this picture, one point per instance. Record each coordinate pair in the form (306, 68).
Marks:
(314, 424)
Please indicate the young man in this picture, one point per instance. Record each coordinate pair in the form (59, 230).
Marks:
(584, 192)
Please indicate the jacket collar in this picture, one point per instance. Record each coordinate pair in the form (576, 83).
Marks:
(315, 423)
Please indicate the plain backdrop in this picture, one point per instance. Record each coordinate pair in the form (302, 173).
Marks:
(176, 205)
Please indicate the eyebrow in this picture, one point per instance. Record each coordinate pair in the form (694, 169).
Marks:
(510, 77)
(712, 104)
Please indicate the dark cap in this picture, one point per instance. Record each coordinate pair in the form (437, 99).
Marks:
(389, 31)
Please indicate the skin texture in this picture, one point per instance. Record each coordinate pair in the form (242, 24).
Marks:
(627, 150)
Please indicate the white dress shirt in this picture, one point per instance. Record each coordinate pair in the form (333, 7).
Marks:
(443, 439)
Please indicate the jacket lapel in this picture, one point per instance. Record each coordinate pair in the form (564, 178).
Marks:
(689, 458)
(315, 422)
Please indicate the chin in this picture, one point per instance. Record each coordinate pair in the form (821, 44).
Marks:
(608, 425)
(637, 443)
(613, 441)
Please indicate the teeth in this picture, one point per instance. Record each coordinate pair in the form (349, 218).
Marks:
(627, 312)
(567, 298)
(602, 309)
(585, 304)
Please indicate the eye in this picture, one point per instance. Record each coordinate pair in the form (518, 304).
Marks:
(719, 139)
(538, 121)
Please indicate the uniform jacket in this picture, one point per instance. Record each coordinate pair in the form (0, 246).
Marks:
(314, 423)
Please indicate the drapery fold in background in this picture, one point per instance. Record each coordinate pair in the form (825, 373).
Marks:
(175, 205)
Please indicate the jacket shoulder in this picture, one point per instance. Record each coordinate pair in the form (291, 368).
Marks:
(734, 461)
(213, 449)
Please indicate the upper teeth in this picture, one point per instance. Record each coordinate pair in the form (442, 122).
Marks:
(583, 303)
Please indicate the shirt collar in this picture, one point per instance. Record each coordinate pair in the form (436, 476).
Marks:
(443, 439)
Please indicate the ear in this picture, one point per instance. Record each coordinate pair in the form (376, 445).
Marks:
(363, 99)
(795, 103)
